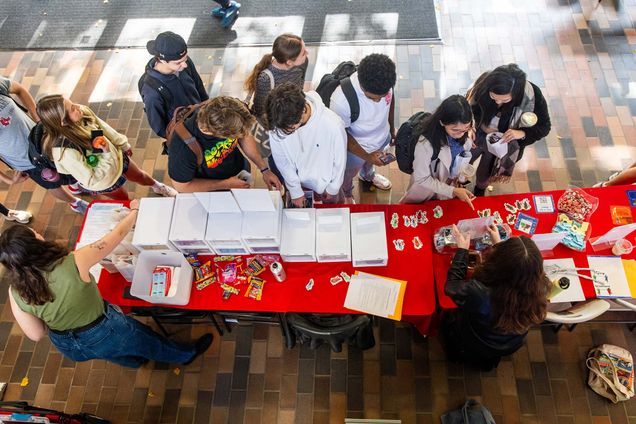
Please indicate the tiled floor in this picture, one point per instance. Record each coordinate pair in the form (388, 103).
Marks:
(583, 59)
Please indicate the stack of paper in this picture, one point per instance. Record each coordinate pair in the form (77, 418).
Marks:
(574, 293)
(614, 283)
(376, 295)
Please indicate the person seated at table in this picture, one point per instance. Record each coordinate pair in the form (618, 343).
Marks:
(52, 291)
(445, 132)
(495, 307)
(308, 142)
(499, 98)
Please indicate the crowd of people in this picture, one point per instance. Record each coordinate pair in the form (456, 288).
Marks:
(320, 141)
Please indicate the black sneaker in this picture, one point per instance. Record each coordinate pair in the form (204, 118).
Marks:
(479, 192)
(200, 346)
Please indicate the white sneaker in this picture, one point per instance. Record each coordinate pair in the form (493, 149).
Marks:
(165, 190)
(23, 217)
(79, 206)
(381, 182)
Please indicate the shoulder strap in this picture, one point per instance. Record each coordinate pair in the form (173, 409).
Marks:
(270, 75)
(352, 98)
(156, 85)
(187, 137)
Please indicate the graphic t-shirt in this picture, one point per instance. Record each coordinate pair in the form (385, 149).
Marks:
(222, 158)
(15, 126)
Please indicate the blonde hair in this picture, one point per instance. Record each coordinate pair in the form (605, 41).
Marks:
(225, 116)
(72, 134)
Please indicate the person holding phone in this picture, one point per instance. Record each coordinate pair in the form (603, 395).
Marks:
(441, 153)
(373, 130)
(86, 147)
(505, 296)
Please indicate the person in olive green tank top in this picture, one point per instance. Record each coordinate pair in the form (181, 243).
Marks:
(53, 292)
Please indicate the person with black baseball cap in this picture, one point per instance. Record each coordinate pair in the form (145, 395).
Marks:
(170, 80)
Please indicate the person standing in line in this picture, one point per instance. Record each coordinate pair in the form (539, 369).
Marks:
(501, 99)
(445, 132)
(309, 143)
(86, 147)
(53, 293)
(15, 126)
(170, 80)
(374, 129)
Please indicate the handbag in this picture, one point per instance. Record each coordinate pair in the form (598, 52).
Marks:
(611, 372)
(472, 412)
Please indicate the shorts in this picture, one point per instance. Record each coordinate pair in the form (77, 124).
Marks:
(120, 181)
(36, 175)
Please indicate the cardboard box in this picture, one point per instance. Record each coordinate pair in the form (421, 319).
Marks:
(298, 237)
(152, 229)
(189, 221)
(368, 239)
(333, 235)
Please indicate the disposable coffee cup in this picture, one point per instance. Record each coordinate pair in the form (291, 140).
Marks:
(529, 119)
(468, 171)
(622, 247)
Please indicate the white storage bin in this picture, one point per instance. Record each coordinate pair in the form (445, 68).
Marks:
(333, 235)
(153, 224)
(298, 238)
(142, 279)
(368, 239)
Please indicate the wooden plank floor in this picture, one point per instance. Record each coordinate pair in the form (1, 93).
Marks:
(585, 61)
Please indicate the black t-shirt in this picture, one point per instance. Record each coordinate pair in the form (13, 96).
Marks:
(222, 158)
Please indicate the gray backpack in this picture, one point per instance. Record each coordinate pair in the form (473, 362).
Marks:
(471, 413)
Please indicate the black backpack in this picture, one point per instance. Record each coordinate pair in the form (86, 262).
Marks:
(406, 140)
(158, 86)
(36, 156)
(340, 77)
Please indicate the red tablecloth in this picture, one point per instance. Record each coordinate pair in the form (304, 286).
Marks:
(291, 296)
(601, 222)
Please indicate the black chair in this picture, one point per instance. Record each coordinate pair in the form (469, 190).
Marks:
(163, 315)
(317, 329)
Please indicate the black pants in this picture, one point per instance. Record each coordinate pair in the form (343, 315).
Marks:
(3, 210)
(223, 3)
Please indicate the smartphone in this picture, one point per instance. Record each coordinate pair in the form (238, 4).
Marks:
(387, 158)
(94, 135)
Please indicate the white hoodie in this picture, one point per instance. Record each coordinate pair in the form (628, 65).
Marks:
(313, 156)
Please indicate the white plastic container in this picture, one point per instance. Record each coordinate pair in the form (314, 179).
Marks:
(142, 278)
(225, 220)
(298, 238)
(333, 235)
(262, 219)
(368, 239)
(189, 220)
(152, 228)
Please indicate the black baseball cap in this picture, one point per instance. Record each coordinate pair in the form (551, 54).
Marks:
(168, 46)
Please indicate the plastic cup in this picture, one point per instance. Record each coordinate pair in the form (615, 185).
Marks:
(468, 171)
(622, 247)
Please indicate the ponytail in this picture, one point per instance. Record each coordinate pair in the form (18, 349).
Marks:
(250, 83)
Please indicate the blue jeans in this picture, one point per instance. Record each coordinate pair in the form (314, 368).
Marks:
(355, 164)
(122, 340)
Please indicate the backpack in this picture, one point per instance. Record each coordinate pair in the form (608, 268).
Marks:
(176, 125)
(340, 77)
(158, 86)
(36, 156)
(611, 372)
(472, 412)
(406, 140)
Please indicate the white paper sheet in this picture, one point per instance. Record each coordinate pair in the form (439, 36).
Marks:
(547, 241)
(612, 266)
(253, 200)
(222, 202)
(100, 219)
(372, 294)
(614, 234)
(574, 293)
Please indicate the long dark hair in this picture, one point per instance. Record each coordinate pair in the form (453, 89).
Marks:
(505, 79)
(286, 47)
(28, 258)
(452, 110)
(513, 270)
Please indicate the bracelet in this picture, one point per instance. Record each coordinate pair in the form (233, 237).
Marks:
(264, 170)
